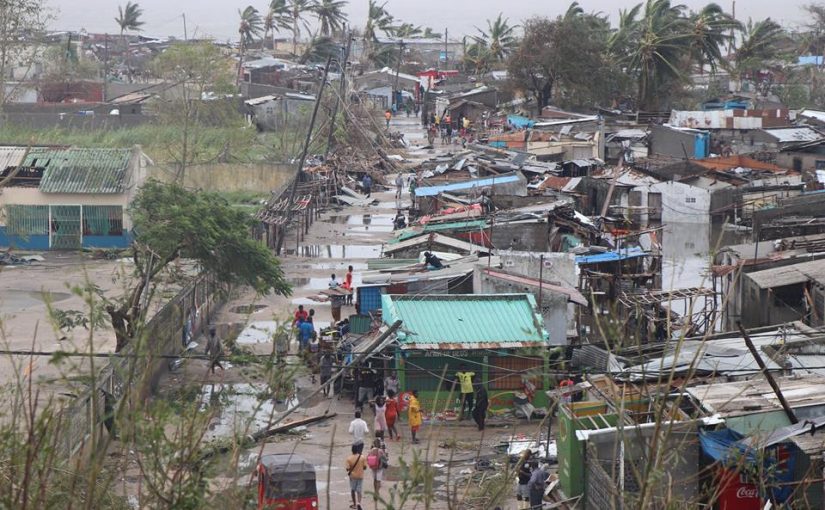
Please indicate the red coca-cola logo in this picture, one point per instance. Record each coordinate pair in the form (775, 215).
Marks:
(747, 493)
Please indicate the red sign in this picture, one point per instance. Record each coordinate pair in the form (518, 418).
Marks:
(736, 492)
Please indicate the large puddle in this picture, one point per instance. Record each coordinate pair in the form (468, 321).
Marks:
(15, 300)
(247, 408)
(338, 251)
(257, 332)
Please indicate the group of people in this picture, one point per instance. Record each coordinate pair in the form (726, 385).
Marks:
(444, 126)
(532, 480)
(337, 300)
(474, 397)
(382, 397)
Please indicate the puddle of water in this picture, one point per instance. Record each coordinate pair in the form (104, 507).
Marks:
(13, 300)
(244, 411)
(340, 251)
(369, 228)
(257, 332)
(340, 266)
(297, 281)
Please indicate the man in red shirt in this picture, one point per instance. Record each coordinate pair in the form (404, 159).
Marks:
(301, 314)
(348, 284)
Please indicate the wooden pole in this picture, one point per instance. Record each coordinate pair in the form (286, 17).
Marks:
(771, 381)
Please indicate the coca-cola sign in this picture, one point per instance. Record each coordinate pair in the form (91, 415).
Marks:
(747, 493)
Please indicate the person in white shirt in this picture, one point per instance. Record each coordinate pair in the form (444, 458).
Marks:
(359, 429)
(333, 283)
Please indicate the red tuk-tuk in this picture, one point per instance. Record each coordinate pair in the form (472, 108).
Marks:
(286, 482)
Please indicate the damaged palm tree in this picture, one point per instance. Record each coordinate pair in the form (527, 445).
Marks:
(172, 223)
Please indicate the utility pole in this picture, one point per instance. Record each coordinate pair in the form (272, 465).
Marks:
(305, 151)
(185, 34)
(397, 71)
(446, 57)
(341, 93)
(771, 381)
(105, 64)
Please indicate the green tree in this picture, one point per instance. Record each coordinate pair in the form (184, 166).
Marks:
(653, 48)
(200, 70)
(710, 30)
(20, 20)
(320, 49)
(499, 38)
(408, 30)
(429, 33)
(298, 10)
(813, 38)
(249, 27)
(276, 19)
(761, 45)
(478, 58)
(170, 223)
(331, 16)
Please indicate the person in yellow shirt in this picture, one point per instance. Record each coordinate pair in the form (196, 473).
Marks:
(414, 415)
(465, 380)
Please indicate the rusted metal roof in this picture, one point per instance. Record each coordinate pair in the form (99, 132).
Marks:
(465, 321)
(72, 170)
(572, 294)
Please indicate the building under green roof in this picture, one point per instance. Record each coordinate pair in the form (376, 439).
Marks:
(465, 321)
(71, 170)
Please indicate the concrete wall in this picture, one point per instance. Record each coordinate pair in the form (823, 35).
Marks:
(802, 161)
(676, 206)
(523, 236)
(672, 142)
(231, 177)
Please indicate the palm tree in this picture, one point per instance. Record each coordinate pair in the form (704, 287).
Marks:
(128, 18)
(761, 43)
(378, 20)
(429, 33)
(407, 30)
(655, 46)
(297, 10)
(249, 27)
(499, 38)
(478, 57)
(276, 19)
(711, 29)
(320, 49)
(331, 16)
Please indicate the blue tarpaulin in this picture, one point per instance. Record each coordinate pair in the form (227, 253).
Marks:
(611, 256)
(520, 121)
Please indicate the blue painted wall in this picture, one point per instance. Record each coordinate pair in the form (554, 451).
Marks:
(41, 242)
(701, 148)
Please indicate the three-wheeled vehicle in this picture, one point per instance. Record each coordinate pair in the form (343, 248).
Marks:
(286, 482)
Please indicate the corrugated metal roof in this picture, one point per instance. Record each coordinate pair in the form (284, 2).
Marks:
(441, 227)
(431, 191)
(789, 275)
(468, 321)
(436, 239)
(81, 170)
(11, 156)
(795, 134)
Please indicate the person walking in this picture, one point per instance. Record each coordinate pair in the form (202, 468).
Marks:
(380, 424)
(387, 117)
(399, 185)
(391, 414)
(414, 416)
(348, 284)
(366, 183)
(306, 331)
(392, 384)
(480, 409)
(364, 381)
(359, 429)
(525, 471)
(538, 480)
(356, 464)
(214, 350)
(326, 372)
(413, 185)
(378, 461)
(465, 380)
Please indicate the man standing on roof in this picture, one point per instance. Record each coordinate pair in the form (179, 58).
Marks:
(465, 380)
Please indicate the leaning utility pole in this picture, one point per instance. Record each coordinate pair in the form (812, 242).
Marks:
(397, 71)
(766, 373)
(305, 151)
(341, 94)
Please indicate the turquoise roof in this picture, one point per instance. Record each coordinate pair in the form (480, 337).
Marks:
(465, 321)
(458, 226)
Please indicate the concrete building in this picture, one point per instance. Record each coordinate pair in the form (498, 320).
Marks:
(68, 198)
(679, 142)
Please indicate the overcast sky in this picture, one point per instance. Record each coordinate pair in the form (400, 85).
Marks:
(218, 18)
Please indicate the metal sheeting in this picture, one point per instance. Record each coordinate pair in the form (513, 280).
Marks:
(789, 275)
(465, 321)
(81, 170)
(431, 191)
(795, 134)
(611, 256)
(11, 156)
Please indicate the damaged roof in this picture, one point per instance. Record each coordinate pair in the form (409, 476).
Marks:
(73, 170)
(469, 321)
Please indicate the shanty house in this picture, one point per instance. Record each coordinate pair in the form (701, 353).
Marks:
(784, 294)
(68, 198)
(499, 336)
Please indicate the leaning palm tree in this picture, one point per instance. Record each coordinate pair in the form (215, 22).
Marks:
(656, 45)
(761, 43)
(429, 33)
(128, 19)
(320, 49)
(277, 18)
(499, 38)
(478, 57)
(250, 26)
(297, 10)
(378, 20)
(711, 28)
(331, 16)
(408, 30)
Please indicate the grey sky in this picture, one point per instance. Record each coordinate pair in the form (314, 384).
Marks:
(218, 18)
